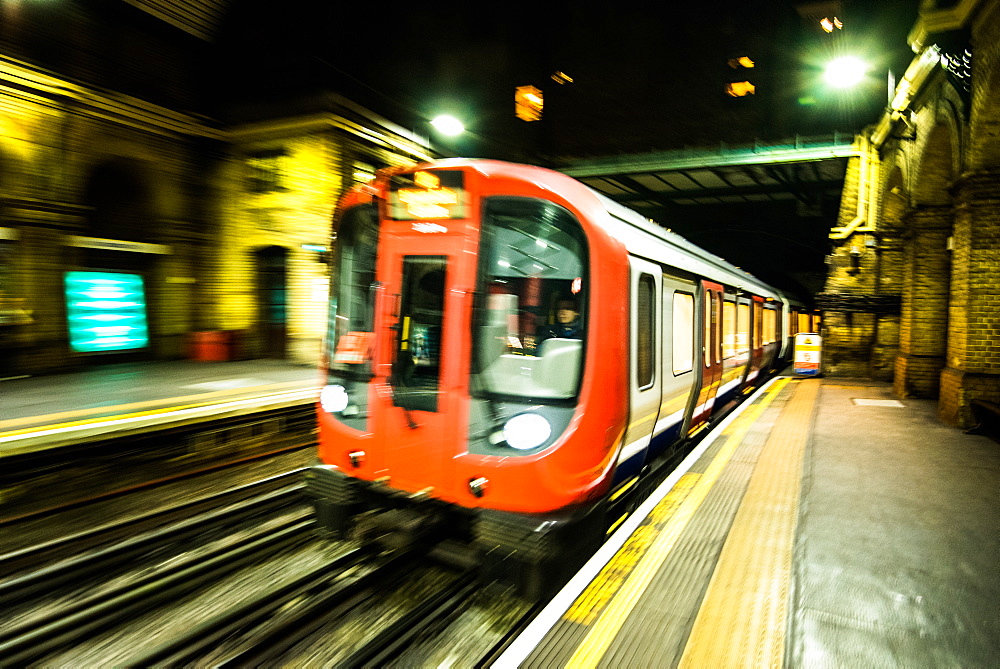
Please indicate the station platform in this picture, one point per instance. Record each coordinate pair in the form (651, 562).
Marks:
(44, 411)
(826, 524)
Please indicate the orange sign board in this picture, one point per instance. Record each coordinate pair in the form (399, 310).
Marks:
(354, 348)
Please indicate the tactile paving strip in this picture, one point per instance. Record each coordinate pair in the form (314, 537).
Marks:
(742, 619)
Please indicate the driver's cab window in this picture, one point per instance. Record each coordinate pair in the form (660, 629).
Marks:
(532, 311)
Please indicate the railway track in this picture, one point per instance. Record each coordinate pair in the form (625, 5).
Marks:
(246, 582)
(44, 482)
(64, 599)
(130, 535)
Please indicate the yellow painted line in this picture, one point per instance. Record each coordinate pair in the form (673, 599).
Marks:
(610, 621)
(110, 412)
(615, 525)
(742, 619)
(621, 491)
(600, 591)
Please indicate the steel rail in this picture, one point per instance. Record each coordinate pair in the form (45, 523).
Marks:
(33, 554)
(436, 611)
(272, 609)
(50, 577)
(29, 646)
(55, 508)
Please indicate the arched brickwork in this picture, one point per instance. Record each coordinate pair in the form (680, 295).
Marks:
(984, 136)
(937, 233)
(926, 270)
(889, 258)
(973, 354)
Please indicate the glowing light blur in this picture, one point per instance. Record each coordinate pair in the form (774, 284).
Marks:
(845, 72)
(829, 26)
(448, 125)
(738, 89)
(528, 103)
(334, 399)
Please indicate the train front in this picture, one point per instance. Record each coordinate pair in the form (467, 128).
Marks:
(463, 348)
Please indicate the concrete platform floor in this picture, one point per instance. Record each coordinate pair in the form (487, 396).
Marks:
(897, 559)
(120, 388)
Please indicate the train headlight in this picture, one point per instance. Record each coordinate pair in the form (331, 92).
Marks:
(526, 431)
(333, 398)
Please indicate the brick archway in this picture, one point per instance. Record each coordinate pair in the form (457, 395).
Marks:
(890, 256)
(926, 270)
(972, 368)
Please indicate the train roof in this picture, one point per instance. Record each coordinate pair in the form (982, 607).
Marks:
(699, 260)
(687, 256)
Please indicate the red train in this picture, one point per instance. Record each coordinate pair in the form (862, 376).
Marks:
(515, 357)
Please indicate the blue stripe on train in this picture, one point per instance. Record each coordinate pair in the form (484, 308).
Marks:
(658, 445)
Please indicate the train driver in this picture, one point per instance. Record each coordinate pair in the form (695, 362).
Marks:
(567, 325)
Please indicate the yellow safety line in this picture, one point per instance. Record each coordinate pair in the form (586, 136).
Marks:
(742, 618)
(607, 626)
(110, 410)
(591, 602)
(625, 488)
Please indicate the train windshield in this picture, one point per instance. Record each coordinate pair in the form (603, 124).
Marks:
(352, 307)
(529, 327)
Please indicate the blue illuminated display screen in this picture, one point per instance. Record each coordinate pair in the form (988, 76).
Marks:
(106, 311)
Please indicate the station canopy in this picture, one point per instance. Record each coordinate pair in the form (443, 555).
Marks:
(804, 169)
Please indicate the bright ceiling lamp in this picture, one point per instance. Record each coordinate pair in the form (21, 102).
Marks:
(448, 125)
(845, 72)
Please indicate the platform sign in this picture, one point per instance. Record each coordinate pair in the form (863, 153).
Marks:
(807, 354)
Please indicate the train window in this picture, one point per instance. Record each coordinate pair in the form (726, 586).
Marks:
(804, 323)
(742, 328)
(728, 329)
(352, 307)
(529, 325)
(683, 332)
(770, 326)
(417, 364)
(645, 322)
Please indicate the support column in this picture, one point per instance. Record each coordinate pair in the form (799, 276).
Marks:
(973, 352)
(924, 322)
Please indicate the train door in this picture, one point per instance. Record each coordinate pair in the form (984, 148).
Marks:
(756, 341)
(772, 336)
(681, 366)
(710, 364)
(784, 331)
(419, 363)
(644, 377)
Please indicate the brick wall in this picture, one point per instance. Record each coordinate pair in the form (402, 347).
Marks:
(55, 155)
(973, 352)
(315, 167)
(924, 318)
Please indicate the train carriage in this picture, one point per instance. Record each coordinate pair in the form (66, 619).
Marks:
(514, 356)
